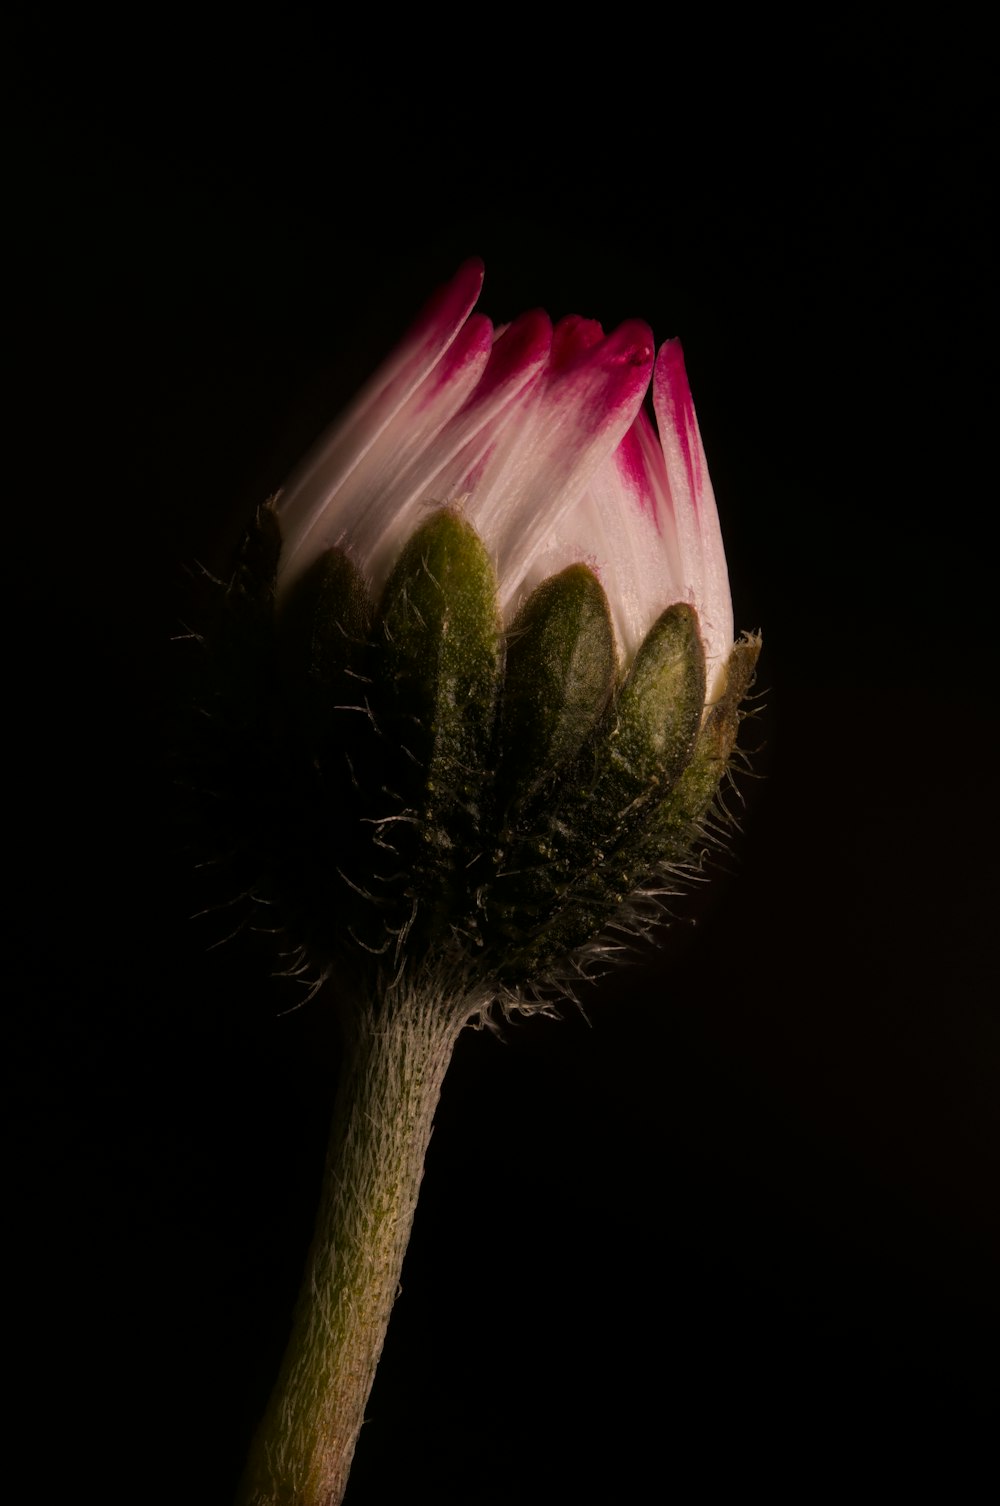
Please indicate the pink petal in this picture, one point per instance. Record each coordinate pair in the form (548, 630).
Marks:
(438, 474)
(572, 339)
(620, 525)
(305, 497)
(566, 425)
(692, 501)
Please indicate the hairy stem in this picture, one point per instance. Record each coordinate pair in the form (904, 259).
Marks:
(395, 1062)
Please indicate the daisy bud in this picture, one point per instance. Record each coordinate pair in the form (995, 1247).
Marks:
(478, 670)
(506, 650)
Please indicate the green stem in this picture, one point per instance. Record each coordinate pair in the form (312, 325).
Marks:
(394, 1066)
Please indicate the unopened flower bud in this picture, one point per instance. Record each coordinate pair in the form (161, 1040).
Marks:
(508, 688)
(477, 672)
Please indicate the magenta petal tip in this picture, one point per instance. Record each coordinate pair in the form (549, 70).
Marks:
(451, 304)
(540, 435)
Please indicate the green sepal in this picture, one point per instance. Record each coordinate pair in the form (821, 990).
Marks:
(439, 664)
(243, 648)
(560, 674)
(324, 628)
(678, 820)
(564, 880)
(651, 732)
(322, 856)
(253, 583)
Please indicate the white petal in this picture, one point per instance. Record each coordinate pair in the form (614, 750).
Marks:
(622, 527)
(553, 443)
(306, 500)
(440, 473)
(705, 577)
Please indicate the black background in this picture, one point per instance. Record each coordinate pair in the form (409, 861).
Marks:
(739, 1226)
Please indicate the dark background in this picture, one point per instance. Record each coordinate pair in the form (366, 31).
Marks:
(740, 1224)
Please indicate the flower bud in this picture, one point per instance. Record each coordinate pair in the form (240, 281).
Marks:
(506, 690)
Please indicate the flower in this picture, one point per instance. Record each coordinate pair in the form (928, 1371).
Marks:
(494, 689)
(538, 436)
(480, 681)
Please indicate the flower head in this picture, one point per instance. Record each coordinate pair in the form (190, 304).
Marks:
(539, 437)
(504, 686)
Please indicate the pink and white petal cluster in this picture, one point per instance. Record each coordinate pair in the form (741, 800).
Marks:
(538, 435)
(649, 527)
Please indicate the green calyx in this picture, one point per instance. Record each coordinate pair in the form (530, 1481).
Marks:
(438, 664)
(682, 813)
(485, 801)
(324, 629)
(560, 675)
